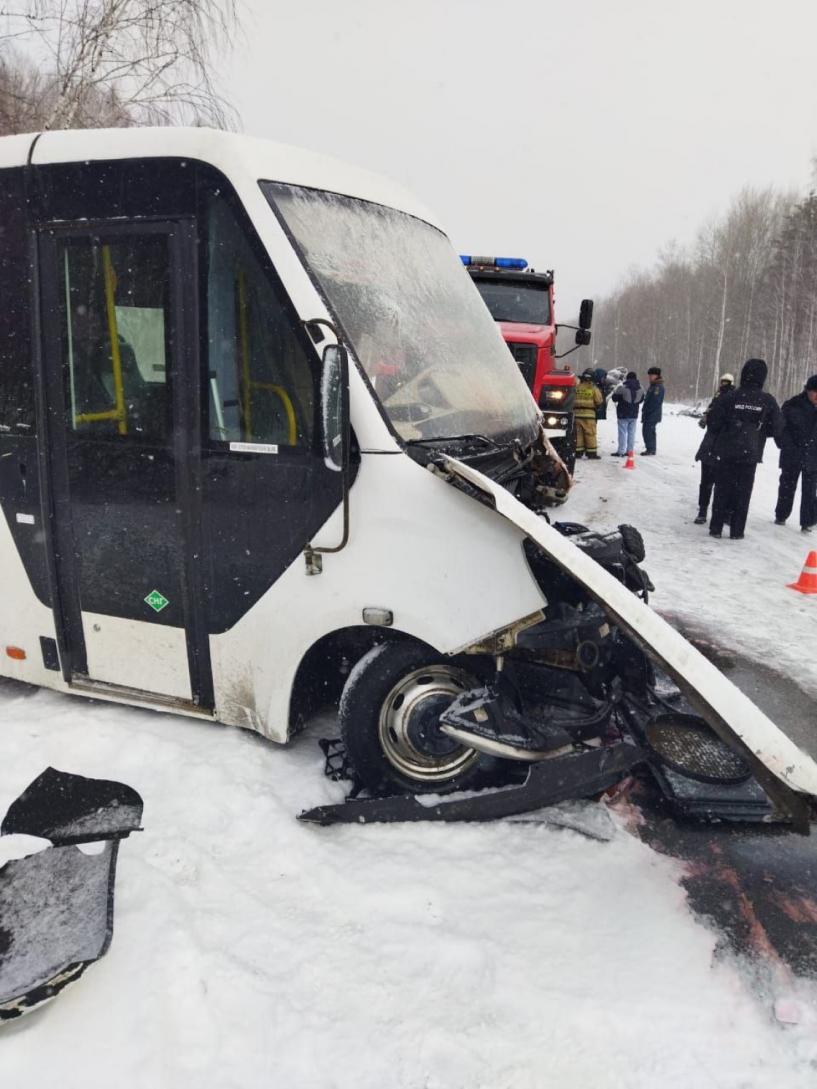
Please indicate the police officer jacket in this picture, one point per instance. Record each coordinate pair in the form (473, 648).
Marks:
(705, 449)
(653, 400)
(798, 447)
(742, 419)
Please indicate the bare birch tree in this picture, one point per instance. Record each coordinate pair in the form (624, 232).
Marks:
(746, 287)
(156, 57)
(28, 96)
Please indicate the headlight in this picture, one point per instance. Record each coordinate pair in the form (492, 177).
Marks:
(551, 421)
(554, 394)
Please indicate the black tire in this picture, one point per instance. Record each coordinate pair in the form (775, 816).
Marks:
(388, 715)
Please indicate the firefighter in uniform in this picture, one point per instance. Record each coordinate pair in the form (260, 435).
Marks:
(588, 399)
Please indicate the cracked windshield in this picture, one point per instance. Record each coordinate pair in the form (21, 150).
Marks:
(419, 329)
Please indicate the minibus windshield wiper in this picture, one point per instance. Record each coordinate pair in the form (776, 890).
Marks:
(457, 438)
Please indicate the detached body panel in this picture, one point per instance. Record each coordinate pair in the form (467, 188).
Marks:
(56, 906)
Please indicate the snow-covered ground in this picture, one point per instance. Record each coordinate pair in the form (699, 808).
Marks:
(252, 951)
(734, 591)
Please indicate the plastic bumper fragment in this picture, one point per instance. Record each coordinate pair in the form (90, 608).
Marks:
(56, 906)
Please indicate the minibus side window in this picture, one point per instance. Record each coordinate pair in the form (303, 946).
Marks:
(261, 385)
(114, 330)
(16, 379)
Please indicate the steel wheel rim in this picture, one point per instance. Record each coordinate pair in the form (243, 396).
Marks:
(414, 698)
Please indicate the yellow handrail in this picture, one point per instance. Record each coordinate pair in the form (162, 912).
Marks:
(244, 347)
(246, 378)
(289, 408)
(119, 411)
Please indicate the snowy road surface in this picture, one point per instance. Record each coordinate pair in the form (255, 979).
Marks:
(252, 951)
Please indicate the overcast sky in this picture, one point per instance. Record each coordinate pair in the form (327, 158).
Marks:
(580, 134)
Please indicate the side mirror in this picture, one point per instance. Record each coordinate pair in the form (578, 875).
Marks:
(586, 316)
(336, 438)
(335, 407)
(583, 335)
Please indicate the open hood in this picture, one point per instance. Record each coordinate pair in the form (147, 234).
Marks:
(787, 774)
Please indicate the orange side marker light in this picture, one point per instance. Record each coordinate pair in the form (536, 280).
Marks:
(17, 653)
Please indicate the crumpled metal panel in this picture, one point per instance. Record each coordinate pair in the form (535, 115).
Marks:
(56, 906)
(68, 808)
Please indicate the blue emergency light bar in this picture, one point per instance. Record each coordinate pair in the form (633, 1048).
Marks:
(497, 262)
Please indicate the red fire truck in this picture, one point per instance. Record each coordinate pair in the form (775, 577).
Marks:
(521, 302)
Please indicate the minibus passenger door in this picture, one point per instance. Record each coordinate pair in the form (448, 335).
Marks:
(116, 376)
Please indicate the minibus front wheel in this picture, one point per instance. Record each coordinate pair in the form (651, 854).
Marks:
(389, 720)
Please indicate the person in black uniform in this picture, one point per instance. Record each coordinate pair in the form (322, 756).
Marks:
(651, 412)
(600, 378)
(741, 421)
(704, 455)
(798, 454)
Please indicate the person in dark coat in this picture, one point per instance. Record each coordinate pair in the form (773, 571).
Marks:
(741, 421)
(704, 454)
(651, 412)
(627, 398)
(605, 385)
(798, 455)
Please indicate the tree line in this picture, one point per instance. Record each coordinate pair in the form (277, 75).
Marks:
(108, 63)
(747, 286)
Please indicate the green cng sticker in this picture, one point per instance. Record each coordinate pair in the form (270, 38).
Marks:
(156, 600)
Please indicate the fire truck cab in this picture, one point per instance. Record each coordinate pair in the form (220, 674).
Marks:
(521, 302)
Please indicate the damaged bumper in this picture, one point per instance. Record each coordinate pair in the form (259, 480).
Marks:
(546, 783)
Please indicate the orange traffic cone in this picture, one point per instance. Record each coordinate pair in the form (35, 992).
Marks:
(807, 583)
(630, 462)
